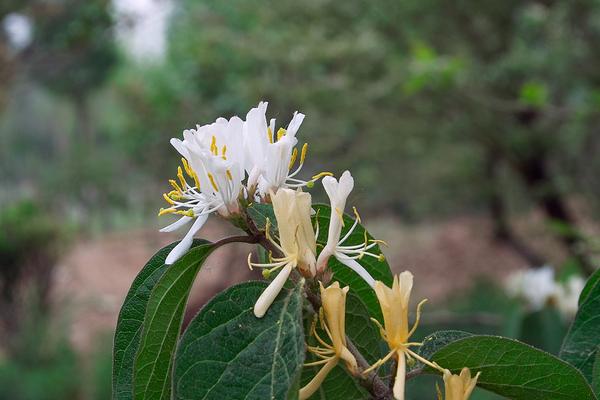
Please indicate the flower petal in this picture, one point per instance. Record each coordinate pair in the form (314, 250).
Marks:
(187, 241)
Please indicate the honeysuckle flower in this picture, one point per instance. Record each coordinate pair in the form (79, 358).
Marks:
(272, 155)
(394, 307)
(458, 387)
(213, 161)
(338, 192)
(536, 287)
(333, 300)
(297, 244)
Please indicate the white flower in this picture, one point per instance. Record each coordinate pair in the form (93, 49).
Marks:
(297, 243)
(536, 286)
(214, 162)
(271, 155)
(567, 299)
(346, 254)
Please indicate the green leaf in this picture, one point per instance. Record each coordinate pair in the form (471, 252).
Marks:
(361, 330)
(228, 353)
(589, 285)
(162, 324)
(338, 385)
(130, 322)
(596, 374)
(379, 270)
(534, 94)
(435, 342)
(259, 213)
(581, 342)
(514, 369)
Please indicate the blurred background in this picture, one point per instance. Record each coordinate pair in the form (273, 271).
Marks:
(471, 128)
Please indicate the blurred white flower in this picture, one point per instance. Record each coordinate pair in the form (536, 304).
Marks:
(213, 159)
(535, 286)
(18, 29)
(538, 287)
(567, 299)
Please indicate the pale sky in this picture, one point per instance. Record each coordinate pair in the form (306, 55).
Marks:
(142, 26)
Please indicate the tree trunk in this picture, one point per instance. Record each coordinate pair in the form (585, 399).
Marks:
(538, 178)
(497, 209)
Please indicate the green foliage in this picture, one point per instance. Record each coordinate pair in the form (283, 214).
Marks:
(514, 369)
(580, 345)
(534, 94)
(129, 328)
(74, 47)
(42, 365)
(337, 386)
(26, 227)
(436, 341)
(226, 352)
(162, 325)
(590, 285)
(596, 374)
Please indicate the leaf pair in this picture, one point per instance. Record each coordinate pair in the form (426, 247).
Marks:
(225, 352)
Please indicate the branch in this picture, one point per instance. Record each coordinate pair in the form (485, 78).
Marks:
(372, 382)
(237, 239)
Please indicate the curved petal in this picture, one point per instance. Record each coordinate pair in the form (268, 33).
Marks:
(177, 224)
(356, 267)
(266, 298)
(187, 240)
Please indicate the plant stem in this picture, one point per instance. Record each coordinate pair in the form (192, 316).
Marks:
(372, 382)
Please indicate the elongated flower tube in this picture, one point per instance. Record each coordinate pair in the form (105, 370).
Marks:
(333, 299)
(459, 387)
(213, 161)
(394, 307)
(338, 192)
(296, 242)
(272, 154)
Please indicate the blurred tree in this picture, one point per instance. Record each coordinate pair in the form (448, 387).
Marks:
(29, 244)
(73, 52)
(528, 89)
(439, 101)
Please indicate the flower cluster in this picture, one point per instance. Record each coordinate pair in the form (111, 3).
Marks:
(538, 288)
(229, 161)
(230, 164)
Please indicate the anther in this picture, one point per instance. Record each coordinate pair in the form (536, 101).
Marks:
(303, 153)
(280, 133)
(212, 181)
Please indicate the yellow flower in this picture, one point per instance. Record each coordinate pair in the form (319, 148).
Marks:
(296, 235)
(459, 387)
(394, 307)
(297, 243)
(333, 301)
